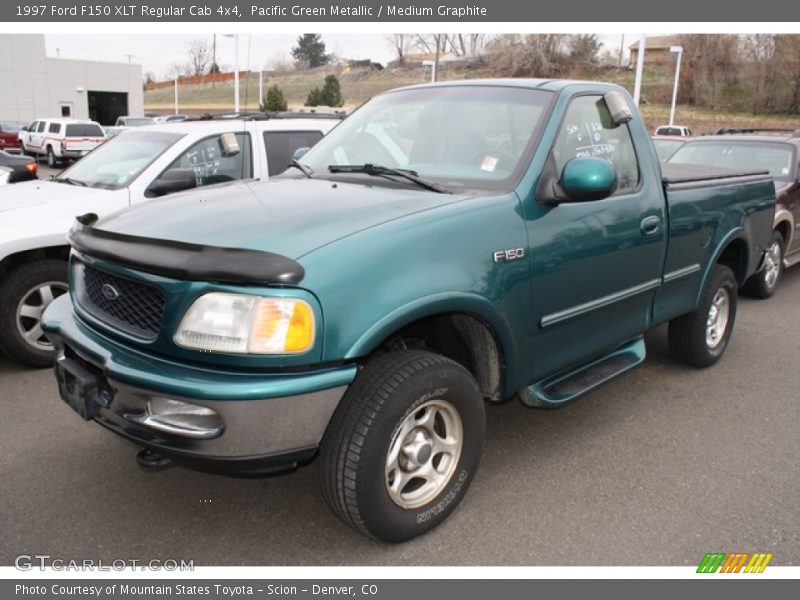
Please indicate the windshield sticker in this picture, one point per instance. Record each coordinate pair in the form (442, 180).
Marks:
(489, 163)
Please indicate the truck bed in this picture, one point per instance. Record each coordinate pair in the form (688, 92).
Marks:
(672, 173)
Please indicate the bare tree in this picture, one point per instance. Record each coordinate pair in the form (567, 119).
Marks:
(280, 62)
(535, 55)
(787, 48)
(401, 42)
(709, 67)
(584, 48)
(432, 43)
(460, 44)
(759, 52)
(200, 55)
(179, 69)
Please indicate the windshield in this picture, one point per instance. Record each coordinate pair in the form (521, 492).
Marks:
(461, 137)
(666, 148)
(118, 161)
(775, 157)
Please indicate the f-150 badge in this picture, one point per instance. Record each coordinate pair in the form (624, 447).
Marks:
(508, 255)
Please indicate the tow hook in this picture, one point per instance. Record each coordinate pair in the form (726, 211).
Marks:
(152, 461)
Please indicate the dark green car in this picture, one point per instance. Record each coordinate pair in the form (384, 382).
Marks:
(445, 246)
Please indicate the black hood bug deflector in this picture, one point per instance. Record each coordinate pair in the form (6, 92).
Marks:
(181, 260)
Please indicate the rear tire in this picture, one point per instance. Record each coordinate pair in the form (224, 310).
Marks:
(764, 283)
(699, 338)
(403, 445)
(24, 294)
(52, 161)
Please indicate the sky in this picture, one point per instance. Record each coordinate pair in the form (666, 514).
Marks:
(158, 53)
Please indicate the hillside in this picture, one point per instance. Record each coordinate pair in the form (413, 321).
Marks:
(359, 85)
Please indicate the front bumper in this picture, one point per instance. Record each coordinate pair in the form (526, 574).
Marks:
(269, 421)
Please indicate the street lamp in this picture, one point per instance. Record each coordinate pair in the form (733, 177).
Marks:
(235, 37)
(679, 51)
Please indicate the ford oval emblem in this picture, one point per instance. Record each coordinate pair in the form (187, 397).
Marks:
(109, 292)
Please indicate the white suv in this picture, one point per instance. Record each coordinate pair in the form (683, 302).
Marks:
(60, 139)
(139, 165)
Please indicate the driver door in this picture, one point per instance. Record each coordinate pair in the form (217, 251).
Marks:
(595, 264)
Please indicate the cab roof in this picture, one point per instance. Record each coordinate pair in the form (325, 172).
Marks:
(551, 85)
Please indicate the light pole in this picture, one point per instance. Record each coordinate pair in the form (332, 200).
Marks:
(235, 37)
(679, 51)
(637, 84)
(176, 91)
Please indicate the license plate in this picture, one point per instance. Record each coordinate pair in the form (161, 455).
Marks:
(83, 390)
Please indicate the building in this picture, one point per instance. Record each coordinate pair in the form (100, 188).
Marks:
(36, 86)
(656, 50)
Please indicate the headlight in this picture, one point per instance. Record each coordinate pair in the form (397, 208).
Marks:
(247, 324)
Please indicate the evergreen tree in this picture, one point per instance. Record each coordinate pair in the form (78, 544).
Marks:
(310, 51)
(332, 92)
(314, 97)
(274, 100)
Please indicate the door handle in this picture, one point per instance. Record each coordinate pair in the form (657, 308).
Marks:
(650, 225)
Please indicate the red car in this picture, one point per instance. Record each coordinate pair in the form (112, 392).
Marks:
(8, 134)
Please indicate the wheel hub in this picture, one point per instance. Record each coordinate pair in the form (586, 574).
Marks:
(416, 450)
(424, 452)
(717, 321)
(30, 309)
(772, 264)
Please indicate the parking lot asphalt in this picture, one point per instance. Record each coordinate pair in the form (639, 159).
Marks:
(46, 172)
(655, 468)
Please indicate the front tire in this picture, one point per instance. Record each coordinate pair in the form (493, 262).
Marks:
(764, 283)
(403, 446)
(24, 294)
(699, 338)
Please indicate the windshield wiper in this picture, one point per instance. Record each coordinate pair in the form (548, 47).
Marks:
(381, 171)
(70, 181)
(306, 170)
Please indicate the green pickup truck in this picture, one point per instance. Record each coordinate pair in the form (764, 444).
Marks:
(446, 246)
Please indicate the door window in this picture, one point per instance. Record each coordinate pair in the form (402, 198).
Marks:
(211, 164)
(54, 128)
(588, 131)
(40, 128)
(281, 146)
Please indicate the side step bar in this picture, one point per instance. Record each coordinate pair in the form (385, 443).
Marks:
(792, 260)
(566, 386)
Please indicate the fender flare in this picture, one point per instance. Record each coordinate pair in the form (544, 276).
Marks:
(735, 234)
(782, 216)
(472, 305)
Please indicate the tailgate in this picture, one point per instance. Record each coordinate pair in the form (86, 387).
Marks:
(78, 144)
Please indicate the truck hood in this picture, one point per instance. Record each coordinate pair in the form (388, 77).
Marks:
(29, 195)
(289, 217)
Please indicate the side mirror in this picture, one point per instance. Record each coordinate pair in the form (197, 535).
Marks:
(300, 153)
(618, 108)
(229, 144)
(585, 179)
(171, 181)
